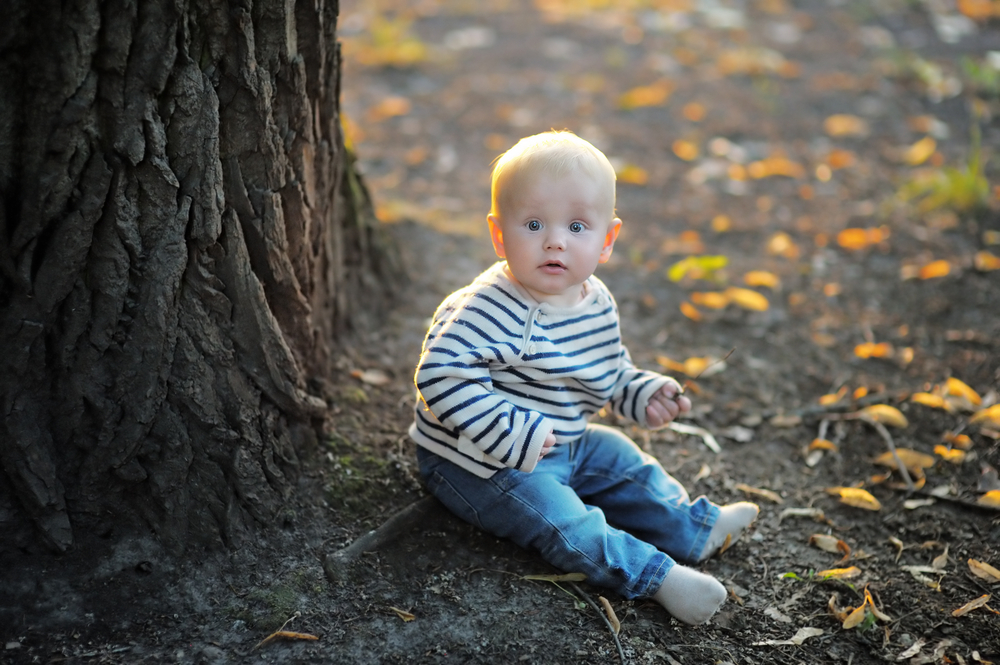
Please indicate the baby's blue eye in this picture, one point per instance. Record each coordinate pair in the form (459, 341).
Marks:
(534, 225)
(576, 227)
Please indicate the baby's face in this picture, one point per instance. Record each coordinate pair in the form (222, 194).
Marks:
(554, 233)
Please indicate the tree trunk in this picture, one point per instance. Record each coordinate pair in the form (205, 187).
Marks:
(182, 241)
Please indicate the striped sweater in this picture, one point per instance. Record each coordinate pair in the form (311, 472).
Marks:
(499, 371)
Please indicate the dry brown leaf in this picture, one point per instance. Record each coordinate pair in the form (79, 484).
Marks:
(616, 625)
(856, 617)
(984, 571)
(839, 573)
(857, 497)
(941, 560)
(690, 311)
(914, 461)
(986, 261)
(762, 493)
(815, 513)
(972, 605)
(845, 125)
(823, 444)
(373, 377)
(898, 544)
(838, 613)
(935, 269)
(829, 543)
(403, 614)
(710, 299)
(885, 414)
(801, 635)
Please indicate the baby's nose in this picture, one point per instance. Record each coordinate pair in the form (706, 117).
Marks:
(555, 240)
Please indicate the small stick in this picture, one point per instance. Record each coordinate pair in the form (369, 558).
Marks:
(880, 428)
(603, 615)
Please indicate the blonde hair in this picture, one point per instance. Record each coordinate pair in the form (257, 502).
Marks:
(557, 153)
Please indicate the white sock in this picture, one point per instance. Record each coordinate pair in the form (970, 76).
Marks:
(690, 596)
(733, 520)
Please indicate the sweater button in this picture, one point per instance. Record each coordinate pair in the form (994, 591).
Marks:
(532, 348)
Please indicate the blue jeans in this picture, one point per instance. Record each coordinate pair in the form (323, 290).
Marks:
(598, 506)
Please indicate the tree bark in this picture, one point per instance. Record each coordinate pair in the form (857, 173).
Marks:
(182, 241)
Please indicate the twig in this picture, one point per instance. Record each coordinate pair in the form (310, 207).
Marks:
(335, 565)
(601, 613)
(880, 428)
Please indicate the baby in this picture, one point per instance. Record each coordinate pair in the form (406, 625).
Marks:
(515, 364)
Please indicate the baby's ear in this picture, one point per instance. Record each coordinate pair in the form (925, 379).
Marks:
(496, 235)
(609, 239)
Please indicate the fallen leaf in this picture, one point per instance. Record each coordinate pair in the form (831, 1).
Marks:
(762, 278)
(879, 614)
(654, 94)
(710, 299)
(633, 175)
(972, 605)
(835, 610)
(912, 651)
(390, 107)
(845, 125)
(898, 544)
(857, 497)
(616, 625)
(984, 571)
(814, 513)
(685, 150)
(747, 299)
(885, 414)
(920, 152)
(833, 398)
(873, 350)
(829, 543)
(962, 441)
(989, 417)
(913, 504)
(786, 420)
(954, 386)
(913, 460)
(920, 573)
(690, 311)
(801, 635)
(931, 400)
(840, 573)
(935, 269)
(986, 261)
(777, 615)
(991, 499)
(950, 455)
(558, 577)
(762, 493)
(373, 377)
(403, 614)
(697, 267)
(941, 560)
(823, 444)
(856, 617)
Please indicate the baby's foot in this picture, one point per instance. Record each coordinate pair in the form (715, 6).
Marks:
(690, 596)
(734, 518)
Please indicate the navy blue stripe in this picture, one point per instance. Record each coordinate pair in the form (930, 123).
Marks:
(524, 448)
(542, 400)
(569, 322)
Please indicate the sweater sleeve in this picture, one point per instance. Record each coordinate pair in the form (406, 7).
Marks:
(453, 378)
(633, 389)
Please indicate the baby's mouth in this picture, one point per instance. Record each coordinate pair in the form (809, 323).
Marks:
(553, 264)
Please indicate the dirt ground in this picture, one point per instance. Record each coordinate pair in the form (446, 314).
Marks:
(757, 130)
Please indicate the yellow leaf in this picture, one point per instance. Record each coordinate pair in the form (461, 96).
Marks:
(698, 267)
(823, 444)
(690, 311)
(972, 605)
(935, 269)
(871, 605)
(670, 364)
(747, 299)
(885, 414)
(949, 455)
(839, 573)
(955, 387)
(721, 223)
(990, 499)
(654, 94)
(833, 398)
(961, 441)
(781, 244)
(761, 278)
(694, 367)
(913, 460)
(762, 493)
(853, 239)
(857, 497)
(984, 571)
(986, 261)
(633, 175)
(989, 417)
(931, 400)
(873, 350)
(686, 150)
(920, 152)
(710, 299)
(856, 617)
(845, 125)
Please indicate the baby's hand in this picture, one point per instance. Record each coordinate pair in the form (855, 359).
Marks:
(666, 404)
(550, 441)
